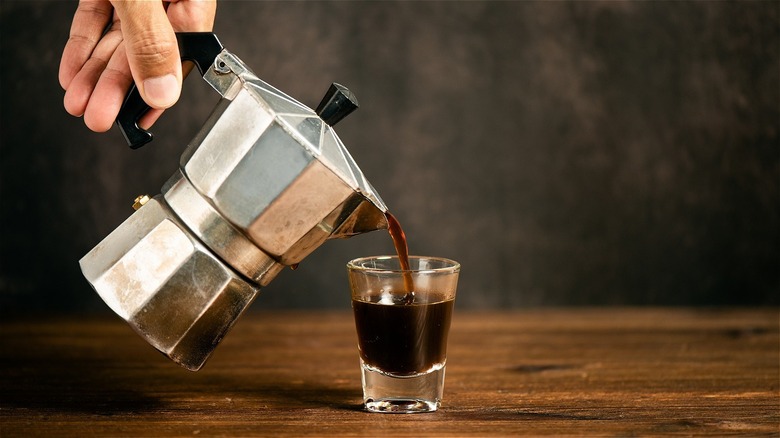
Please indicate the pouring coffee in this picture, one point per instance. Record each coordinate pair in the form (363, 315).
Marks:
(264, 183)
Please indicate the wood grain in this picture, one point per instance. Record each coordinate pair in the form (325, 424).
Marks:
(537, 372)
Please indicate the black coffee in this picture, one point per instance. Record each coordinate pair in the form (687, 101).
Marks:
(403, 339)
(402, 249)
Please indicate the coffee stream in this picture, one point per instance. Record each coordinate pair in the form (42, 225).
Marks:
(402, 248)
(407, 339)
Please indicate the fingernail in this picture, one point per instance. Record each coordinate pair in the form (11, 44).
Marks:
(162, 91)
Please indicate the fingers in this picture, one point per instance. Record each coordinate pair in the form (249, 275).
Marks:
(81, 86)
(98, 68)
(89, 21)
(152, 51)
(109, 92)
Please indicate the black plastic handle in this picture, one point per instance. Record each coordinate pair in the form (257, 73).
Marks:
(201, 48)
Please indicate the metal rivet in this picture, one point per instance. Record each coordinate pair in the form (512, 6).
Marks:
(220, 66)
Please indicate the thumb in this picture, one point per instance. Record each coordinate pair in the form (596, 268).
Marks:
(152, 51)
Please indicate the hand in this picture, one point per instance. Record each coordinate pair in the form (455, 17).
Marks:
(113, 43)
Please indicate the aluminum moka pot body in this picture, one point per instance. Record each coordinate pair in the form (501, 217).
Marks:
(263, 184)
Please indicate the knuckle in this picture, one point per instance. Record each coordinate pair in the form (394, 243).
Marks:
(92, 11)
(116, 78)
(151, 48)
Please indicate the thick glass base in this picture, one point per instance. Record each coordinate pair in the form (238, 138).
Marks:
(385, 393)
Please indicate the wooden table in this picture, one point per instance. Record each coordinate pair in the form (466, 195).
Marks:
(539, 372)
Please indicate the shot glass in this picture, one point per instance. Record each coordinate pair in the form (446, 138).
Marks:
(402, 319)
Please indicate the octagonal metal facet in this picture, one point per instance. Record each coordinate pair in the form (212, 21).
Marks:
(170, 288)
(281, 175)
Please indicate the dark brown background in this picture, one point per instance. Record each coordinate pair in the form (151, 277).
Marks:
(567, 153)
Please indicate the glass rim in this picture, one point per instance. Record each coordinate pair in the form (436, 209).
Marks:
(451, 266)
